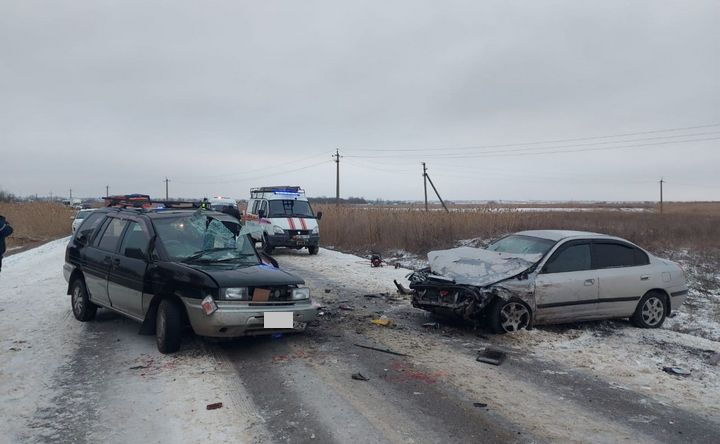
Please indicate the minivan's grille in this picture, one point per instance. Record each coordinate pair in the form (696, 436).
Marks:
(277, 294)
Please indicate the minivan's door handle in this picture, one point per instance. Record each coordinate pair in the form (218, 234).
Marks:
(644, 277)
(589, 282)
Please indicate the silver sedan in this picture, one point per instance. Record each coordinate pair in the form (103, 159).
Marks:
(550, 276)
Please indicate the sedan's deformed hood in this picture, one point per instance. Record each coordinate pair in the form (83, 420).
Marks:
(475, 266)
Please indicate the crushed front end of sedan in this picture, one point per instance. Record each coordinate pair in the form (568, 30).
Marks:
(466, 283)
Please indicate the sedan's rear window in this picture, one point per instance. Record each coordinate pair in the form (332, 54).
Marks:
(613, 255)
(519, 244)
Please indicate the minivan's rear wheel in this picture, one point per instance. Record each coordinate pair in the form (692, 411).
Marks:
(509, 316)
(314, 249)
(82, 308)
(650, 311)
(168, 326)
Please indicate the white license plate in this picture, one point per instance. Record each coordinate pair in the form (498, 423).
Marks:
(278, 319)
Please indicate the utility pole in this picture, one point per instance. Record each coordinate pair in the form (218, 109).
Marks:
(662, 181)
(107, 190)
(70, 196)
(425, 184)
(336, 158)
(166, 188)
(427, 176)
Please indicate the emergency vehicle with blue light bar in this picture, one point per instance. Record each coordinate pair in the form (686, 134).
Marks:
(286, 217)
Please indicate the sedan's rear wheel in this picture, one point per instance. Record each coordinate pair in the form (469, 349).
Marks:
(509, 316)
(650, 311)
(168, 326)
(82, 308)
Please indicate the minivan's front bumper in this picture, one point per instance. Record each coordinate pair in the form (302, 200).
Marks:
(235, 318)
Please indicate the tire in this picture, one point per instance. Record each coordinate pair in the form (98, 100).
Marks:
(266, 247)
(168, 326)
(313, 250)
(82, 308)
(650, 311)
(509, 316)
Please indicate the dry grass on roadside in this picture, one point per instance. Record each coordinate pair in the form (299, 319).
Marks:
(691, 226)
(36, 222)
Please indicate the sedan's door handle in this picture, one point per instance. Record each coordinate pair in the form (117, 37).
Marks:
(644, 277)
(589, 282)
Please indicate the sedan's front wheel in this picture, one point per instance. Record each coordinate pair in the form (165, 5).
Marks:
(651, 311)
(509, 316)
(82, 308)
(168, 326)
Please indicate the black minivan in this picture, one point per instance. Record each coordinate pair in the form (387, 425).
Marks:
(169, 268)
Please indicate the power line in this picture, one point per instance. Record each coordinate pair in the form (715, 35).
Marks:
(576, 139)
(553, 150)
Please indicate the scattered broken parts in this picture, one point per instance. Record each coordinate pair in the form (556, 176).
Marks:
(676, 371)
(359, 377)
(384, 350)
(383, 320)
(492, 356)
(214, 406)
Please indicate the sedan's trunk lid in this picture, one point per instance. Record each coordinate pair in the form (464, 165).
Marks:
(475, 266)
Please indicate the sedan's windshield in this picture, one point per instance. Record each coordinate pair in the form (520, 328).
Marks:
(518, 244)
(82, 214)
(200, 238)
(287, 208)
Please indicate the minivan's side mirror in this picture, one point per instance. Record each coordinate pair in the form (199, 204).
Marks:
(261, 213)
(135, 253)
(318, 216)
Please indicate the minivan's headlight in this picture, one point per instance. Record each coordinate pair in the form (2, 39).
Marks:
(316, 230)
(235, 293)
(299, 294)
(278, 230)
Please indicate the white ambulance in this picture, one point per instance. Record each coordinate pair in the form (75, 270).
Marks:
(286, 217)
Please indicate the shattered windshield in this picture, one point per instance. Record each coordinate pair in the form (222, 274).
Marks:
(290, 208)
(517, 244)
(200, 238)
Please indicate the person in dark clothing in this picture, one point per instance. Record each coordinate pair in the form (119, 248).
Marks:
(5, 231)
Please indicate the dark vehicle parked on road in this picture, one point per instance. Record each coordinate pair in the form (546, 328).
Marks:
(169, 268)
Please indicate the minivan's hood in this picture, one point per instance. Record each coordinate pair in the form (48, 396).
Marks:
(243, 276)
(475, 266)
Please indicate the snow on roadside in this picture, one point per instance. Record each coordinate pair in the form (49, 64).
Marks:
(100, 381)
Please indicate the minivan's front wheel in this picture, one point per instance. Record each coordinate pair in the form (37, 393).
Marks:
(266, 247)
(168, 326)
(82, 308)
(314, 249)
(650, 311)
(509, 316)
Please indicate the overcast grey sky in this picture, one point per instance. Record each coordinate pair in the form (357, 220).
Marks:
(220, 96)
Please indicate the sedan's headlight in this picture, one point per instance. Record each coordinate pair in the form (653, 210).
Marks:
(316, 230)
(299, 294)
(235, 293)
(278, 230)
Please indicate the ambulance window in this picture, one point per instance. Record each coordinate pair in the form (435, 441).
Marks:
(255, 207)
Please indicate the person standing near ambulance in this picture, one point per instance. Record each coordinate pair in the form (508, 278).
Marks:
(5, 231)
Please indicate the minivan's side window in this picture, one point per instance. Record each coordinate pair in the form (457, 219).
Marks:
(613, 255)
(135, 238)
(88, 226)
(575, 257)
(255, 207)
(111, 236)
(263, 207)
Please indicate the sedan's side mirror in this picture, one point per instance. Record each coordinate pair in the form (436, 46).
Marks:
(319, 215)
